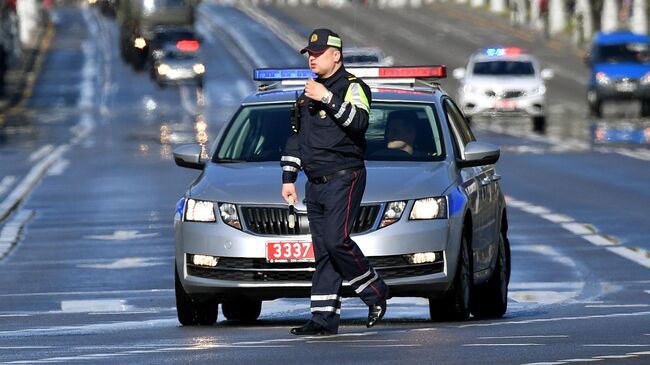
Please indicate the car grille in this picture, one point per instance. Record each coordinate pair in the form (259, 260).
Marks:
(254, 269)
(508, 94)
(275, 220)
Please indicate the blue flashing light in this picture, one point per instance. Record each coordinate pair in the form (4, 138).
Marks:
(457, 200)
(278, 74)
(500, 52)
(180, 206)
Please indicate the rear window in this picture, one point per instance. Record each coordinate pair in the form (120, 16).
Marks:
(396, 132)
(348, 59)
(501, 68)
(622, 53)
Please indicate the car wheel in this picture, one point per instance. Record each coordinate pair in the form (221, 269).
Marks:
(645, 108)
(455, 304)
(596, 109)
(539, 124)
(242, 309)
(191, 312)
(490, 300)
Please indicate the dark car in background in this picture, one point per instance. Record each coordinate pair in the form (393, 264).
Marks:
(175, 56)
(619, 70)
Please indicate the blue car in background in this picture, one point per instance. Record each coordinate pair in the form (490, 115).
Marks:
(620, 70)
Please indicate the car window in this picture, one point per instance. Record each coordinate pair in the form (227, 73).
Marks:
(625, 52)
(510, 68)
(458, 125)
(257, 133)
(396, 132)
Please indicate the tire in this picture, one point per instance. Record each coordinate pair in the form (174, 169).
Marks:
(596, 109)
(191, 312)
(242, 310)
(539, 124)
(645, 108)
(490, 300)
(455, 304)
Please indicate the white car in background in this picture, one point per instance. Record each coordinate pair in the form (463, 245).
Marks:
(503, 82)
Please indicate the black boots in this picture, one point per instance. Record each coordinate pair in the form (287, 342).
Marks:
(311, 329)
(376, 313)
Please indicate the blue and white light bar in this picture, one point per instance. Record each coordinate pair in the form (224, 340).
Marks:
(411, 72)
(279, 74)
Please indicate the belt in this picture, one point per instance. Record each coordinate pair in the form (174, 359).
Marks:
(326, 178)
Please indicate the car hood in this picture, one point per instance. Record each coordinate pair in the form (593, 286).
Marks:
(503, 82)
(261, 183)
(621, 70)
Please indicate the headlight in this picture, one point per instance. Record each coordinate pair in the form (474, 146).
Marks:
(602, 78)
(140, 42)
(198, 68)
(646, 79)
(392, 213)
(540, 90)
(163, 69)
(200, 211)
(469, 89)
(229, 215)
(429, 208)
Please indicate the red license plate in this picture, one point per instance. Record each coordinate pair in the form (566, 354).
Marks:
(505, 104)
(289, 251)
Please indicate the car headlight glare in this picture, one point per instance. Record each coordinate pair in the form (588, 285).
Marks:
(602, 78)
(140, 43)
(204, 260)
(540, 90)
(429, 208)
(229, 215)
(392, 213)
(200, 211)
(163, 69)
(469, 89)
(198, 68)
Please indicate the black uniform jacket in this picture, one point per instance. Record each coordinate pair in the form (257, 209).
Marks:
(331, 137)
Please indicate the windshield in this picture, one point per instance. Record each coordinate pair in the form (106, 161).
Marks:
(396, 132)
(626, 52)
(502, 68)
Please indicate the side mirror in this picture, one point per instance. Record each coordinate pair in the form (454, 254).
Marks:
(189, 155)
(479, 154)
(459, 73)
(547, 74)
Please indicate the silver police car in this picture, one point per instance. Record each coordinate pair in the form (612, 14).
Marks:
(432, 221)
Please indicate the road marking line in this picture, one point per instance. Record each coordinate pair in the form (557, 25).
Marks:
(579, 229)
(600, 240)
(637, 255)
(88, 293)
(58, 168)
(30, 181)
(6, 182)
(522, 336)
(97, 305)
(616, 345)
(640, 353)
(557, 319)
(388, 345)
(580, 360)
(40, 153)
(614, 357)
(544, 363)
(557, 218)
(11, 231)
(501, 344)
(616, 305)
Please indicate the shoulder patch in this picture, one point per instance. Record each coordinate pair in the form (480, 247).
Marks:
(352, 78)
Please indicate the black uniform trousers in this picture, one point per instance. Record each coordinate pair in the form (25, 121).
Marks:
(332, 208)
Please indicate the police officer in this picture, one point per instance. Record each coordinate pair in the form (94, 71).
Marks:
(328, 144)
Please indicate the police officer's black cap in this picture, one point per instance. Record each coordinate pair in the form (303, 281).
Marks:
(321, 39)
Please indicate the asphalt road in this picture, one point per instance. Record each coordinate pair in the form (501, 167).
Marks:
(88, 190)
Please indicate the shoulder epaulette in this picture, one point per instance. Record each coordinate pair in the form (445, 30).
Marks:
(352, 78)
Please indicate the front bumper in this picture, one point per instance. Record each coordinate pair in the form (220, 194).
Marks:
(243, 270)
(619, 91)
(477, 105)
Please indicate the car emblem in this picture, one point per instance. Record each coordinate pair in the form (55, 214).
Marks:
(322, 114)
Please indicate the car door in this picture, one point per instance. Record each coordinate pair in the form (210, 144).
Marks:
(478, 184)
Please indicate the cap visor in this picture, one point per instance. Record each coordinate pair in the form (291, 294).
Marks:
(314, 49)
